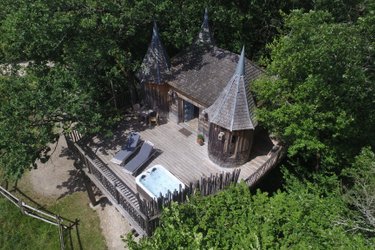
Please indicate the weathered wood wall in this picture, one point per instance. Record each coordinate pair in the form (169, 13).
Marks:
(233, 149)
(156, 95)
(203, 125)
(176, 109)
(175, 106)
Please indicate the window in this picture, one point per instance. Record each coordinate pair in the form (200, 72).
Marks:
(232, 144)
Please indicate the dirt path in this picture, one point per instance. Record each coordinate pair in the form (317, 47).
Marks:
(58, 177)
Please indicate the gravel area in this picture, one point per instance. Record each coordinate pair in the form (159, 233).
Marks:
(58, 177)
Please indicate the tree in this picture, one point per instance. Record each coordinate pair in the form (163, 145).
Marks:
(235, 219)
(360, 195)
(82, 56)
(319, 90)
(35, 109)
(98, 45)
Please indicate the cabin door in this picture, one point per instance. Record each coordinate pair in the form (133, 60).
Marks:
(188, 111)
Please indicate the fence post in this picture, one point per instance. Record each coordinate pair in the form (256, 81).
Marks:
(20, 205)
(61, 232)
(147, 226)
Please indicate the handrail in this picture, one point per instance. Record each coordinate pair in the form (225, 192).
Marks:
(83, 152)
(113, 188)
(44, 216)
(146, 214)
(270, 163)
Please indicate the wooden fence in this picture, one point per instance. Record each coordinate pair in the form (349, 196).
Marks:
(277, 154)
(142, 214)
(205, 186)
(50, 218)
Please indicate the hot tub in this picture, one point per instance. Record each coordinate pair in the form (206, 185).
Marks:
(155, 181)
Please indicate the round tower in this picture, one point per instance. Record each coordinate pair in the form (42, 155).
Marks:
(232, 122)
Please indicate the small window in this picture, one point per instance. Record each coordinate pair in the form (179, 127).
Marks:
(232, 144)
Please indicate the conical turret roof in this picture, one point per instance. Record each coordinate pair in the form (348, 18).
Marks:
(204, 35)
(234, 108)
(155, 66)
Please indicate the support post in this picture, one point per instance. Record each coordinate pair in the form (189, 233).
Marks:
(88, 186)
(20, 205)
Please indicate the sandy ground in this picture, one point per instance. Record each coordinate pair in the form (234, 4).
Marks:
(58, 177)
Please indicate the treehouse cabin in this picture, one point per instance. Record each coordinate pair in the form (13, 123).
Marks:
(206, 89)
(203, 90)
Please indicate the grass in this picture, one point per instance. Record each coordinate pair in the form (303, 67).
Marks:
(76, 206)
(18, 231)
(22, 232)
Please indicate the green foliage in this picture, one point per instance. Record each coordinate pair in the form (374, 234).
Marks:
(34, 107)
(200, 137)
(360, 195)
(93, 49)
(82, 57)
(235, 219)
(21, 139)
(319, 91)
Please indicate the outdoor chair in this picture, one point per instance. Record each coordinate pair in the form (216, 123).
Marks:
(140, 159)
(154, 119)
(127, 149)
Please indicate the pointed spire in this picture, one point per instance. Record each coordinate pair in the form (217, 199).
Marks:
(240, 70)
(204, 35)
(205, 19)
(155, 66)
(155, 33)
(234, 108)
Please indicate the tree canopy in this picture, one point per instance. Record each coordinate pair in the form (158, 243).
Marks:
(81, 57)
(318, 95)
(299, 218)
(360, 194)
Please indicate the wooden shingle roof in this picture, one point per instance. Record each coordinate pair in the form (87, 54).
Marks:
(155, 66)
(234, 107)
(202, 72)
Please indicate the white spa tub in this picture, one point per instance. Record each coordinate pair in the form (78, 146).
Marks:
(155, 181)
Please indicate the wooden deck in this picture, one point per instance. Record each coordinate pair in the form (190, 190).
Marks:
(178, 153)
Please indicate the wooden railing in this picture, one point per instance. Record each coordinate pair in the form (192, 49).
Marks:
(45, 216)
(275, 158)
(144, 214)
(115, 190)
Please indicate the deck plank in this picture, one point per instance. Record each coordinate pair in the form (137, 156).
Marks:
(181, 155)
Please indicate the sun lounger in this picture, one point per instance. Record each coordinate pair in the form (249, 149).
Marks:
(140, 159)
(127, 150)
